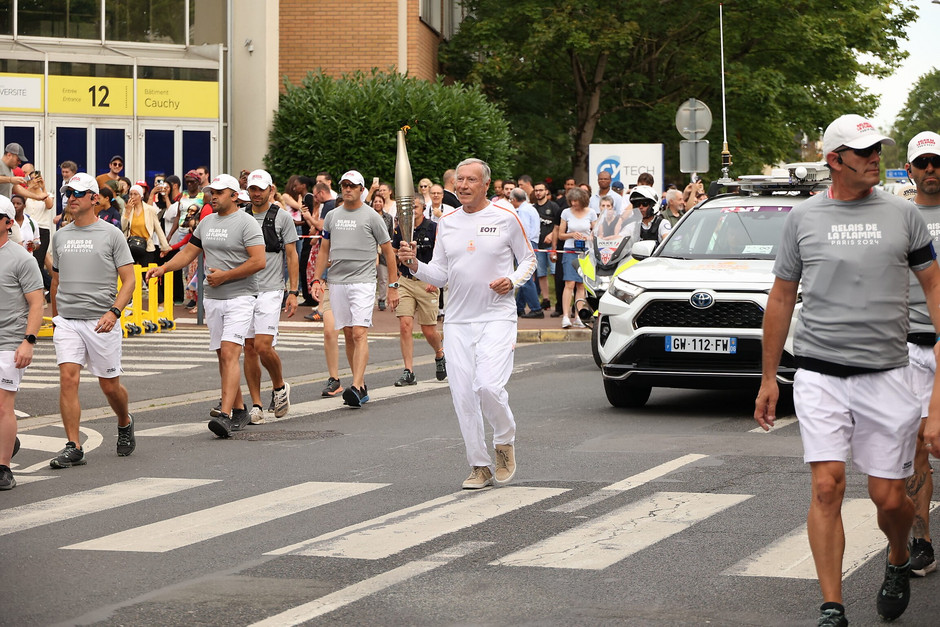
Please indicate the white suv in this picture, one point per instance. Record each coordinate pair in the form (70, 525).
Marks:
(689, 314)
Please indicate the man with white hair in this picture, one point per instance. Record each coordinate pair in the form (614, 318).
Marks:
(848, 252)
(234, 249)
(280, 236)
(675, 206)
(474, 256)
(923, 166)
(21, 303)
(88, 257)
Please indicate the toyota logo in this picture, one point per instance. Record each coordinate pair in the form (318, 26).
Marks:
(702, 300)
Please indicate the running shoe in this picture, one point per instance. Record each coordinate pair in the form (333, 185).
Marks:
(126, 442)
(440, 368)
(216, 411)
(70, 456)
(256, 415)
(480, 477)
(922, 560)
(407, 378)
(355, 397)
(332, 388)
(7, 482)
(505, 463)
(895, 592)
(240, 418)
(221, 425)
(832, 617)
(281, 400)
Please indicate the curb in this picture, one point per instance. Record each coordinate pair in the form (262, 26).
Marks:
(552, 335)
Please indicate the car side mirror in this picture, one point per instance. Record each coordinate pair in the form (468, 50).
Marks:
(643, 249)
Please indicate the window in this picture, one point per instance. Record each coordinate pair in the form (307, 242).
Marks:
(431, 14)
(177, 73)
(154, 21)
(70, 19)
(6, 17)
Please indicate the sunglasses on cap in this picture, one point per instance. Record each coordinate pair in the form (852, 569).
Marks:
(864, 153)
(921, 162)
(74, 192)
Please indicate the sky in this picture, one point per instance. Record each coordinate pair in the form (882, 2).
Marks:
(921, 44)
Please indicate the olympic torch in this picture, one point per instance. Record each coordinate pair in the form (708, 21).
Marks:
(404, 190)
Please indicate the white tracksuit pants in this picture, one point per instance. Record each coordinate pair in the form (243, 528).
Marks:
(479, 362)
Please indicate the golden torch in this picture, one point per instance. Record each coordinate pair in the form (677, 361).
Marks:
(404, 189)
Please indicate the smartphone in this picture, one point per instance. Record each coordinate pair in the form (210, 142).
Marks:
(158, 181)
(375, 180)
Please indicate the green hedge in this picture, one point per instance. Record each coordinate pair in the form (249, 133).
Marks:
(350, 124)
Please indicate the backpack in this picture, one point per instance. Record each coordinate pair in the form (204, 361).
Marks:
(272, 243)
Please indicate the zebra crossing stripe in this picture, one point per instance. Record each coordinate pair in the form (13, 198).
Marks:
(350, 594)
(606, 540)
(790, 556)
(779, 423)
(389, 534)
(174, 533)
(92, 501)
(175, 430)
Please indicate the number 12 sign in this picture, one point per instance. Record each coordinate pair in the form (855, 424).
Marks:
(91, 95)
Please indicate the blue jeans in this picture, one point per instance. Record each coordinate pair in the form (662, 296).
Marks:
(528, 294)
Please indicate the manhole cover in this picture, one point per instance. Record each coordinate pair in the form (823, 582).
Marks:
(261, 436)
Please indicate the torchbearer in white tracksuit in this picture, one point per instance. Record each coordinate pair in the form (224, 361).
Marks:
(477, 246)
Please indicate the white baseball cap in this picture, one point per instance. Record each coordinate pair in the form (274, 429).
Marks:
(259, 178)
(6, 207)
(924, 143)
(243, 196)
(138, 189)
(81, 182)
(224, 181)
(353, 177)
(852, 131)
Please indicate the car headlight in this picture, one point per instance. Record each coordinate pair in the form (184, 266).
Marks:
(627, 292)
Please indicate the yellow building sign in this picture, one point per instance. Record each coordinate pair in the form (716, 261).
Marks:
(91, 95)
(177, 99)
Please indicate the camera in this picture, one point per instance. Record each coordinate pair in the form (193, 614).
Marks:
(579, 244)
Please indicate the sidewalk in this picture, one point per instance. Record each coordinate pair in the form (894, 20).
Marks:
(385, 322)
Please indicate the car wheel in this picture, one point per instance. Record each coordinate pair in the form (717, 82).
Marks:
(620, 394)
(595, 343)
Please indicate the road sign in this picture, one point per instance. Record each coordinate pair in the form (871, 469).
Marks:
(693, 119)
(896, 174)
(693, 156)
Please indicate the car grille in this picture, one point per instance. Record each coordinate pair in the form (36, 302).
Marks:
(723, 314)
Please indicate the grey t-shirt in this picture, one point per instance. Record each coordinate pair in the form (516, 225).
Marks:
(87, 259)
(19, 275)
(6, 189)
(272, 277)
(853, 259)
(920, 319)
(353, 237)
(225, 239)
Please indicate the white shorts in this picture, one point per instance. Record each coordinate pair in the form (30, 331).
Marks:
(10, 375)
(875, 416)
(923, 367)
(267, 315)
(228, 320)
(352, 304)
(76, 342)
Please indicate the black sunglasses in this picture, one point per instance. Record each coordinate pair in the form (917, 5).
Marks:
(74, 192)
(864, 153)
(347, 184)
(921, 162)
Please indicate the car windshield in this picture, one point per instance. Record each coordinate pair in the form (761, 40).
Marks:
(730, 232)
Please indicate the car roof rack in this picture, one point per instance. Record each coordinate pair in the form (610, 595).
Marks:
(801, 177)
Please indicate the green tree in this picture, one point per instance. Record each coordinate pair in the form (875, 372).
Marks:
(351, 123)
(573, 72)
(921, 112)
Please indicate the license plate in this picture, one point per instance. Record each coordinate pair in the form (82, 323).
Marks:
(692, 344)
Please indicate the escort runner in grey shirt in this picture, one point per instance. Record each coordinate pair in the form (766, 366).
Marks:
(920, 319)
(271, 279)
(856, 254)
(224, 239)
(19, 275)
(354, 253)
(6, 189)
(86, 258)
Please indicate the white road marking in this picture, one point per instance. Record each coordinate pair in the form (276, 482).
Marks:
(386, 535)
(615, 536)
(629, 483)
(93, 440)
(30, 478)
(779, 423)
(77, 504)
(174, 533)
(790, 556)
(181, 430)
(350, 594)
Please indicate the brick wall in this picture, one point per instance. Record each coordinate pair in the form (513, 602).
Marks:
(341, 36)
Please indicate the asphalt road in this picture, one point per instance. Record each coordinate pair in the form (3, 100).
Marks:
(679, 513)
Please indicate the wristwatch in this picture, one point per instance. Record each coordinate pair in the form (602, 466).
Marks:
(116, 312)
(30, 338)
(393, 285)
(294, 292)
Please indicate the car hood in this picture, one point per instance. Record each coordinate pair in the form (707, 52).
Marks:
(718, 274)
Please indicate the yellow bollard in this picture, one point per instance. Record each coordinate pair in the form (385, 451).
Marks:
(150, 324)
(168, 320)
